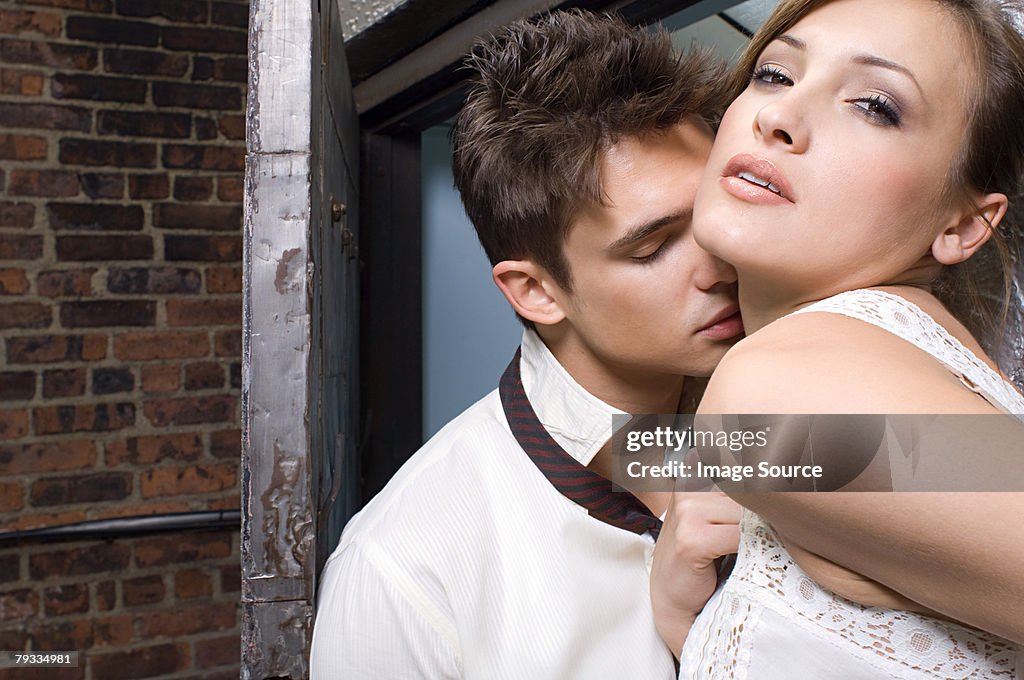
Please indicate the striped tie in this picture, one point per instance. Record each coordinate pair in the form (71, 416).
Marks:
(584, 487)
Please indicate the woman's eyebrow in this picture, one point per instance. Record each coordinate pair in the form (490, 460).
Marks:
(873, 60)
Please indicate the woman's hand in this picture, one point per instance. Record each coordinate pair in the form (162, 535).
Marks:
(699, 528)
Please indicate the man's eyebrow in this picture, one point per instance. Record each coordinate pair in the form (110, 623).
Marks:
(642, 231)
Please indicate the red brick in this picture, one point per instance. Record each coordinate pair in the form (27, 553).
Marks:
(23, 459)
(228, 343)
(192, 189)
(161, 378)
(43, 183)
(12, 496)
(84, 418)
(154, 449)
(112, 380)
(21, 247)
(94, 217)
(145, 62)
(143, 590)
(200, 248)
(84, 5)
(99, 248)
(98, 88)
(231, 14)
(18, 604)
(204, 312)
(231, 579)
(103, 152)
(83, 634)
(13, 282)
(206, 128)
(148, 186)
(13, 424)
(182, 621)
(219, 651)
(18, 81)
(66, 599)
(224, 280)
(35, 520)
(204, 40)
(106, 596)
(187, 11)
(10, 570)
(99, 313)
(21, 385)
(184, 548)
(93, 559)
(92, 488)
(191, 479)
(232, 127)
(145, 345)
(190, 410)
(201, 376)
(231, 189)
(192, 583)
(147, 124)
(65, 283)
(236, 375)
(25, 315)
(141, 662)
(102, 184)
(204, 217)
(204, 157)
(142, 280)
(64, 383)
(15, 22)
(17, 214)
(56, 55)
(226, 443)
(112, 631)
(41, 349)
(22, 147)
(45, 116)
(112, 31)
(192, 96)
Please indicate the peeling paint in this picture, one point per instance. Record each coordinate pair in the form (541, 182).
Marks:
(289, 276)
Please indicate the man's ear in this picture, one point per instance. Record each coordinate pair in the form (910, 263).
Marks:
(961, 239)
(530, 291)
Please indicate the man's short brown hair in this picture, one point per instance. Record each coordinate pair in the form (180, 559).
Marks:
(547, 97)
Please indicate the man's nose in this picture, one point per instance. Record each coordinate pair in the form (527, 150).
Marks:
(716, 275)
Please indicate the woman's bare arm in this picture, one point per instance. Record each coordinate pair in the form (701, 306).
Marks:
(958, 554)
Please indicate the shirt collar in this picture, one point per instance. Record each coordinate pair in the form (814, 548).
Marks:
(576, 419)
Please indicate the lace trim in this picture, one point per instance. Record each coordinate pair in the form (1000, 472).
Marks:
(889, 640)
(906, 320)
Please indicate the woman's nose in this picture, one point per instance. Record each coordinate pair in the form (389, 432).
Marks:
(781, 122)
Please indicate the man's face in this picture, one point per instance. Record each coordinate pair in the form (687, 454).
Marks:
(646, 300)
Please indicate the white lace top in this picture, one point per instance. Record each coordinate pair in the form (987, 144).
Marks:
(770, 621)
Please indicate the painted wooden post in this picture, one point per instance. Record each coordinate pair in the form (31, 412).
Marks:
(300, 316)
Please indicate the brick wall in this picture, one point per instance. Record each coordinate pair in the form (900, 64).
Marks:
(121, 158)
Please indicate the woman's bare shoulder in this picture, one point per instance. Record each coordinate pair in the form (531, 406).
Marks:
(828, 363)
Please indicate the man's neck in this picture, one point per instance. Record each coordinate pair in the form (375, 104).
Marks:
(632, 391)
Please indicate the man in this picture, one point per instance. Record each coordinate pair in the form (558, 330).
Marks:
(500, 550)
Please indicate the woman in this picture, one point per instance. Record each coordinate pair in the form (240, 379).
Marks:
(861, 158)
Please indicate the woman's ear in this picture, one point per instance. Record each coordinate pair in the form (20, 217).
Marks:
(960, 240)
(530, 291)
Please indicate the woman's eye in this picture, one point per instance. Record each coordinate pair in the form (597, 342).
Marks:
(879, 109)
(770, 75)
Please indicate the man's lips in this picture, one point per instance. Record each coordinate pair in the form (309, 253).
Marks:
(724, 325)
(756, 180)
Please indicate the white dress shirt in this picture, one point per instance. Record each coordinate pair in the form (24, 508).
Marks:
(470, 564)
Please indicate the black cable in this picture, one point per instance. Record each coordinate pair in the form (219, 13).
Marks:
(117, 527)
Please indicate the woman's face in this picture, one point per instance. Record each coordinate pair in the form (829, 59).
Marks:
(827, 171)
